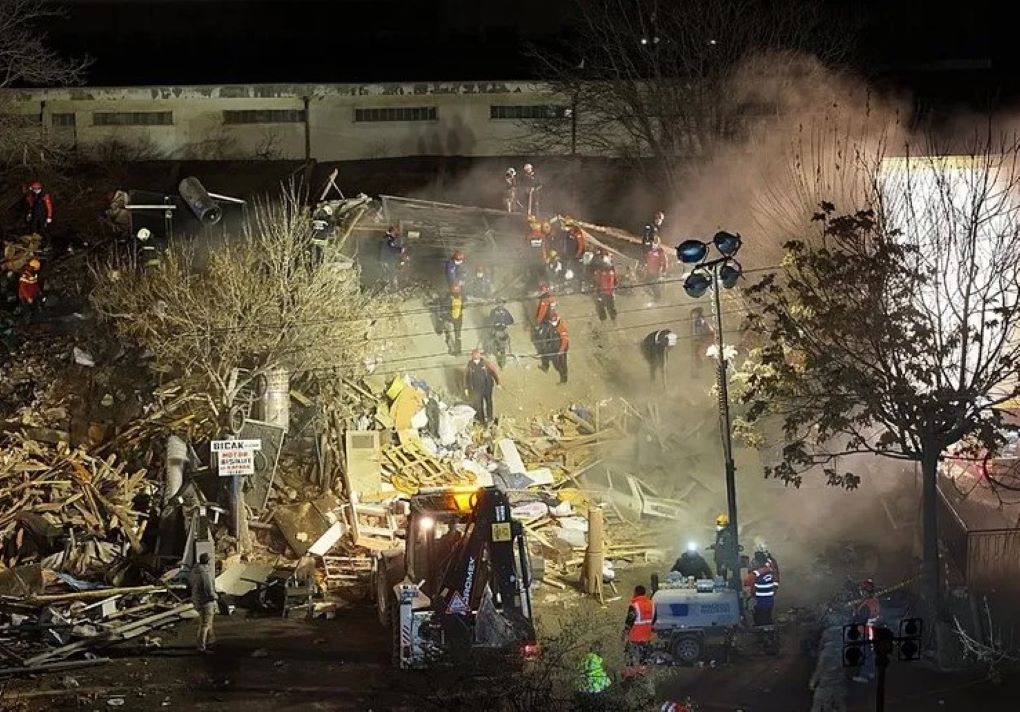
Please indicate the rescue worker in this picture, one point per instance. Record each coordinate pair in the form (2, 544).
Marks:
(40, 208)
(760, 545)
(653, 229)
(761, 583)
(726, 560)
(147, 252)
(577, 243)
(392, 254)
(553, 344)
(500, 321)
(203, 595)
(692, 564)
(546, 304)
(323, 226)
(637, 628)
(554, 270)
(604, 276)
(453, 318)
(593, 681)
(532, 188)
(29, 288)
(479, 285)
(510, 201)
(867, 613)
(455, 269)
(655, 347)
(480, 377)
(656, 264)
(701, 338)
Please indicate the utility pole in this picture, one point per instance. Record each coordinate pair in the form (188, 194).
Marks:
(725, 425)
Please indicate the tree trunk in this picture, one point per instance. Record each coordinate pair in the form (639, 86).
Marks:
(929, 525)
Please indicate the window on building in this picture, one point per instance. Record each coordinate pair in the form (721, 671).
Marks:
(133, 118)
(397, 113)
(62, 121)
(264, 116)
(530, 111)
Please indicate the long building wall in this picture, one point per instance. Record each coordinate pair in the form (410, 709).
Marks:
(325, 122)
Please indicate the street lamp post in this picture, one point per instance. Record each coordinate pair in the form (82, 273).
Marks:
(717, 273)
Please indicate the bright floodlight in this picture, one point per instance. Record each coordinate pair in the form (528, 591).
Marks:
(691, 251)
(727, 243)
(729, 273)
(426, 523)
(692, 546)
(697, 283)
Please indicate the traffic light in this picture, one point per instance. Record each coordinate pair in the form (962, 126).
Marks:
(854, 644)
(910, 638)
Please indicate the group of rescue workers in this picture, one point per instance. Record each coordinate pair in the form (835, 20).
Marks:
(25, 263)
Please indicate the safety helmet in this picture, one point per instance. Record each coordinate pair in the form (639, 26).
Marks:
(607, 260)
(553, 254)
(671, 339)
(761, 545)
(476, 353)
(723, 520)
(659, 216)
(328, 209)
(868, 585)
(546, 228)
(511, 171)
(458, 256)
(528, 168)
(455, 288)
(144, 234)
(544, 287)
(34, 263)
(35, 185)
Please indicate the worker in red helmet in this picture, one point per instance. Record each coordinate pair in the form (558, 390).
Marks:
(29, 289)
(546, 303)
(867, 613)
(40, 208)
(455, 270)
(480, 378)
(553, 343)
(453, 318)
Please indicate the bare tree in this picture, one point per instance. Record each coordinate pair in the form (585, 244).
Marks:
(259, 303)
(666, 82)
(26, 59)
(894, 331)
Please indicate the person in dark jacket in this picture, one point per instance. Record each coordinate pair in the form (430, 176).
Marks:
(203, 596)
(480, 377)
(532, 186)
(40, 208)
(692, 564)
(500, 321)
(553, 343)
(653, 229)
(655, 347)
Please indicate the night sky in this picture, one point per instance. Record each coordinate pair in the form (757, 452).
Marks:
(959, 52)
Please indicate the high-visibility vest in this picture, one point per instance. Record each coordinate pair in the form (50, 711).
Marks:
(593, 678)
(641, 631)
(765, 586)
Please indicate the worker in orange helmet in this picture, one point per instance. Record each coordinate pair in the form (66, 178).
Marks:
(29, 289)
(40, 208)
(455, 270)
(553, 343)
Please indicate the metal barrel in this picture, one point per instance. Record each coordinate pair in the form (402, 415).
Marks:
(198, 200)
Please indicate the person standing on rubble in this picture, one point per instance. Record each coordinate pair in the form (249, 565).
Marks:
(392, 255)
(480, 378)
(702, 336)
(762, 583)
(553, 344)
(868, 614)
(40, 208)
(203, 597)
(453, 318)
(455, 269)
(500, 321)
(532, 187)
(726, 560)
(653, 229)
(323, 227)
(29, 288)
(510, 201)
(546, 304)
(604, 275)
(656, 264)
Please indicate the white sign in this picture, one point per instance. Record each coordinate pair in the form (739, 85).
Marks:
(222, 445)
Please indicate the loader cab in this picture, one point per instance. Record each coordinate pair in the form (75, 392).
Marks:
(432, 541)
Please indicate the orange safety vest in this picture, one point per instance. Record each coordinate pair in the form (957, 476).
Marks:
(641, 631)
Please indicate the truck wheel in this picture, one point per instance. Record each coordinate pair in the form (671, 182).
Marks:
(686, 649)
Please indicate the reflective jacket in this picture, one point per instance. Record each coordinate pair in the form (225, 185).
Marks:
(546, 305)
(640, 631)
(605, 280)
(593, 679)
(39, 206)
(763, 583)
(656, 261)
